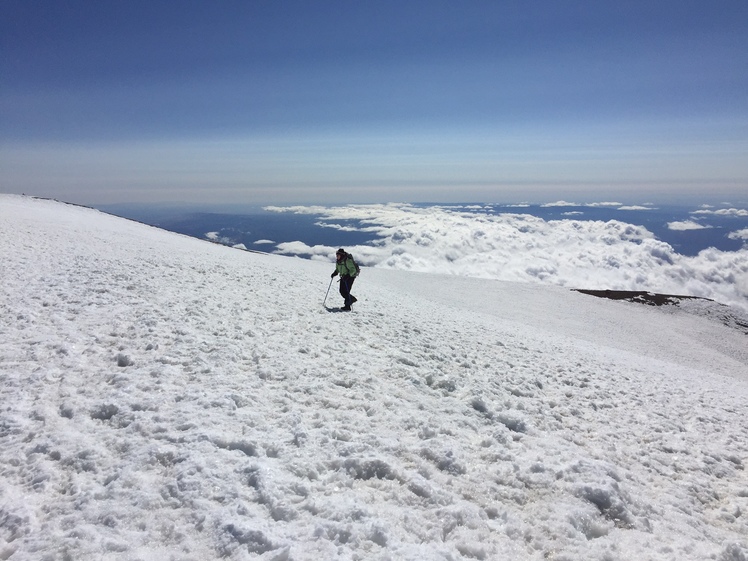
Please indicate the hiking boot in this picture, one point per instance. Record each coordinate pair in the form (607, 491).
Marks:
(345, 309)
(353, 299)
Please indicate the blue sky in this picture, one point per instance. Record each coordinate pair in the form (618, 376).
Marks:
(335, 102)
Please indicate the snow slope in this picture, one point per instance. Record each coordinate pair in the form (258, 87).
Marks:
(165, 398)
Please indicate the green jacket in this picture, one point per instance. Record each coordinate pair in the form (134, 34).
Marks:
(346, 267)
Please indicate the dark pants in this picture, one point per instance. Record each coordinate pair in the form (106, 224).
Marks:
(346, 283)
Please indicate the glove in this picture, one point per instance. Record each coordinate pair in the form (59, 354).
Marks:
(333, 275)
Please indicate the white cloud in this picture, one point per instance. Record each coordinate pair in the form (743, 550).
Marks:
(592, 205)
(217, 238)
(559, 203)
(739, 234)
(515, 247)
(737, 212)
(686, 225)
(339, 227)
(304, 250)
(264, 242)
(636, 207)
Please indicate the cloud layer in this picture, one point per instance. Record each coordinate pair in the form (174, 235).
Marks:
(737, 212)
(686, 225)
(574, 253)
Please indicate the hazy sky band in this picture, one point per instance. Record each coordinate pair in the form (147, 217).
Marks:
(285, 168)
(319, 94)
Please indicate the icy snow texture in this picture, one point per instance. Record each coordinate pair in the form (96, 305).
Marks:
(165, 398)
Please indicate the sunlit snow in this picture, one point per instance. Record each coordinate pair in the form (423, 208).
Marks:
(166, 398)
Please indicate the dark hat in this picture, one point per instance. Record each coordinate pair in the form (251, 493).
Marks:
(341, 250)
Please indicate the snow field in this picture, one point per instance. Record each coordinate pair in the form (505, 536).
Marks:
(166, 398)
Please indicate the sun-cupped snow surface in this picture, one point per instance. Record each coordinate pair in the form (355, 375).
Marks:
(165, 398)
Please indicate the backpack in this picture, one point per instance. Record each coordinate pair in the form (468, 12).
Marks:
(358, 269)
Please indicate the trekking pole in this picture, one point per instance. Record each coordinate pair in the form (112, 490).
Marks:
(326, 293)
